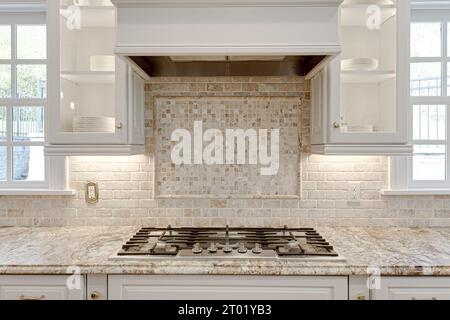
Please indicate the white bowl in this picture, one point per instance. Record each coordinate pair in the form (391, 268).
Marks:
(360, 128)
(359, 64)
(99, 3)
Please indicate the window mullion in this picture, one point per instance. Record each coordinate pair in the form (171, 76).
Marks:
(444, 60)
(9, 109)
(9, 148)
(447, 146)
(14, 61)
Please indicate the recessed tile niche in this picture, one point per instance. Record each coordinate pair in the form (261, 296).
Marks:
(228, 180)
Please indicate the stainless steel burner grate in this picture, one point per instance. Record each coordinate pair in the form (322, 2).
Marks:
(228, 242)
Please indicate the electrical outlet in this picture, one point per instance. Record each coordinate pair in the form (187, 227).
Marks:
(354, 192)
(91, 192)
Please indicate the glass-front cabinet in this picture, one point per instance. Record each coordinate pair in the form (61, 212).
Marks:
(365, 90)
(93, 103)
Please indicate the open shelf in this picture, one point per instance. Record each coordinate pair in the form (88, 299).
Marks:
(89, 77)
(377, 76)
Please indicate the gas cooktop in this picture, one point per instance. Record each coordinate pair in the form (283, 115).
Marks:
(227, 242)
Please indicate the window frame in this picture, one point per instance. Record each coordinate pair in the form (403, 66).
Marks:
(55, 177)
(401, 168)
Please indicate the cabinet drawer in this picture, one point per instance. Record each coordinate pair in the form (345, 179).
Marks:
(226, 287)
(413, 288)
(39, 288)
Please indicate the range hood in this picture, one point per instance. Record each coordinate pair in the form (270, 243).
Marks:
(227, 37)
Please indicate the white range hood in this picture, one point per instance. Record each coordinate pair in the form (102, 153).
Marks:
(167, 37)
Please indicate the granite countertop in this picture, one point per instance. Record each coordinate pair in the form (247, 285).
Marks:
(396, 251)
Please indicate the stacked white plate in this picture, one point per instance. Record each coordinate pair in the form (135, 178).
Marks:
(93, 124)
(361, 128)
(368, 2)
(103, 63)
(359, 64)
(92, 2)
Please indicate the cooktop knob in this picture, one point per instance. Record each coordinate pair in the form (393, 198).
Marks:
(227, 248)
(242, 248)
(257, 249)
(292, 244)
(212, 248)
(161, 245)
(197, 248)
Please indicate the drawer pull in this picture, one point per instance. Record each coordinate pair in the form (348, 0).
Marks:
(432, 298)
(29, 298)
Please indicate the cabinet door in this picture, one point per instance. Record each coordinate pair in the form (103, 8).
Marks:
(136, 107)
(413, 288)
(84, 106)
(371, 105)
(319, 104)
(39, 288)
(226, 287)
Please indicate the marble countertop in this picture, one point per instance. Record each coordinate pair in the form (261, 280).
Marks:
(395, 251)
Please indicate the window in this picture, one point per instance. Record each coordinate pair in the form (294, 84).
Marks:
(430, 99)
(23, 94)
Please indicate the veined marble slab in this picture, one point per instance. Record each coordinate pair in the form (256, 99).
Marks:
(395, 251)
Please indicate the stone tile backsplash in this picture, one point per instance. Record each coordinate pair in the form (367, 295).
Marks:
(229, 180)
(140, 190)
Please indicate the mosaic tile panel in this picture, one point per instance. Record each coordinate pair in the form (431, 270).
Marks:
(223, 113)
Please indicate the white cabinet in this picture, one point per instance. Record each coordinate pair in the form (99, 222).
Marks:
(130, 287)
(412, 288)
(360, 100)
(95, 100)
(40, 288)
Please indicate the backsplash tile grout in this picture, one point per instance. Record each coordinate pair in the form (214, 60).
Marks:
(127, 184)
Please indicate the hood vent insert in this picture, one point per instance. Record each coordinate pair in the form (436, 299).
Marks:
(216, 66)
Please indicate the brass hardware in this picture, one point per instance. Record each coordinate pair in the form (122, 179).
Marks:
(336, 125)
(119, 125)
(360, 297)
(91, 192)
(95, 295)
(29, 298)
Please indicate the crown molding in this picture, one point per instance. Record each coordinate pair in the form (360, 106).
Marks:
(22, 6)
(227, 3)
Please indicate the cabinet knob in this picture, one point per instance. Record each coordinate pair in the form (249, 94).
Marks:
(336, 125)
(119, 125)
(95, 295)
(360, 297)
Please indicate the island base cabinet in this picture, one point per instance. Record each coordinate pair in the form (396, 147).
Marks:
(42, 287)
(412, 288)
(226, 287)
